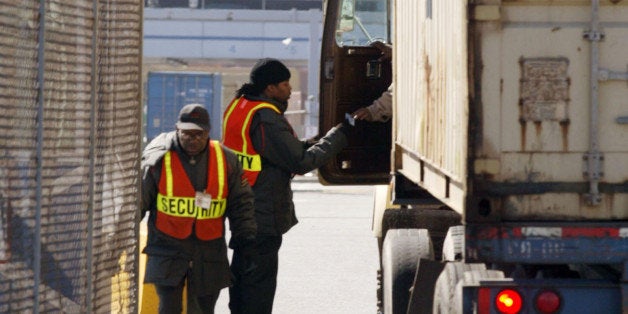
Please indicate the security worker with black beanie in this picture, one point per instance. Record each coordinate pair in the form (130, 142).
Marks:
(255, 128)
(190, 185)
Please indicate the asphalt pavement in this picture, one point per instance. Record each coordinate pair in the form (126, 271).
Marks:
(328, 262)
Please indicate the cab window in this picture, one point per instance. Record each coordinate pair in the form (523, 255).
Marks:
(361, 22)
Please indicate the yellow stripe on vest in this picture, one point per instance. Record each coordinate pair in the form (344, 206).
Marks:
(247, 121)
(168, 165)
(250, 162)
(220, 168)
(185, 207)
(232, 106)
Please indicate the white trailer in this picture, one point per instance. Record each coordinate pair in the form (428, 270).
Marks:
(510, 125)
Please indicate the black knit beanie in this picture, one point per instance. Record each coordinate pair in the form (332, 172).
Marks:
(268, 71)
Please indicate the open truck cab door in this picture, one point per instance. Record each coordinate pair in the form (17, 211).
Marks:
(352, 76)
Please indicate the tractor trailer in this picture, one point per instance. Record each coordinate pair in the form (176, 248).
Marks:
(502, 177)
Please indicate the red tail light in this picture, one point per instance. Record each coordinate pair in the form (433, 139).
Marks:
(484, 301)
(547, 302)
(508, 301)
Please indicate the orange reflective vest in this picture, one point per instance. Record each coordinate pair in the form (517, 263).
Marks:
(236, 134)
(177, 211)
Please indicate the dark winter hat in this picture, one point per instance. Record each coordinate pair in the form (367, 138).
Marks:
(193, 117)
(269, 71)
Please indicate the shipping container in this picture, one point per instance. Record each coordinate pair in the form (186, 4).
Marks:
(507, 155)
(167, 92)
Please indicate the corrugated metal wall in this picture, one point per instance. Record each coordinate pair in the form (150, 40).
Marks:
(69, 141)
(431, 94)
(431, 91)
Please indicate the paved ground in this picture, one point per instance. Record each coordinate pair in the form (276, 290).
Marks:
(328, 262)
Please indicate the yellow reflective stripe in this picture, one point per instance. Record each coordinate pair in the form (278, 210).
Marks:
(228, 114)
(220, 168)
(250, 162)
(168, 165)
(216, 210)
(248, 118)
(185, 207)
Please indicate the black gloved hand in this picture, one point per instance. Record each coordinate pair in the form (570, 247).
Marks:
(247, 247)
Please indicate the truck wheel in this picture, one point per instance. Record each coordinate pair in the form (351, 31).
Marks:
(401, 251)
(445, 289)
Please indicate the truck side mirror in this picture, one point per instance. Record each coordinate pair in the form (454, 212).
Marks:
(347, 16)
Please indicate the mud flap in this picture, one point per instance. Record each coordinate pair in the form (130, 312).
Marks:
(422, 291)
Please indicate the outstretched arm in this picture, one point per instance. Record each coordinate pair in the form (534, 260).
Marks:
(275, 141)
(380, 110)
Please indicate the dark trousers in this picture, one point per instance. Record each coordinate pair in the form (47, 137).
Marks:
(170, 300)
(253, 291)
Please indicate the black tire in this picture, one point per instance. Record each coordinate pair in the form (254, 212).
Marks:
(435, 219)
(401, 251)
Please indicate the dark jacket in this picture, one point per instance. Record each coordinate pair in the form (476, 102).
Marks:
(283, 155)
(169, 259)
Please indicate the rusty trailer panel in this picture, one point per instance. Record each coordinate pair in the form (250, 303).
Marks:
(513, 110)
(430, 97)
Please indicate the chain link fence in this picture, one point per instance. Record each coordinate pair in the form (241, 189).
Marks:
(70, 133)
